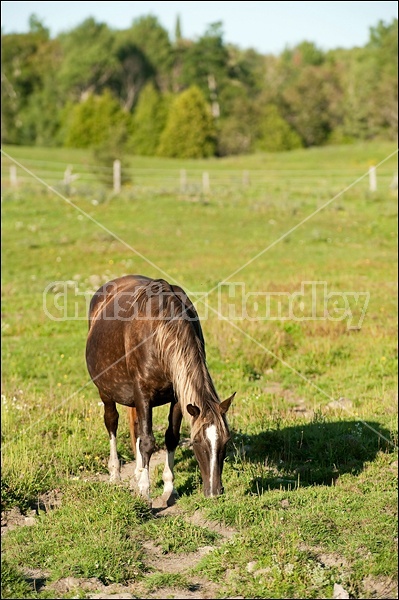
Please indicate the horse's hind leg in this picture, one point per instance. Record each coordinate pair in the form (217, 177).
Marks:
(111, 418)
(172, 437)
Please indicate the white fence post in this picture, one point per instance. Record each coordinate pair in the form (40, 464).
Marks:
(394, 183)
(373, 179)
(117, 176)
(13, 176)
(183, 180)
(68, 179)
(205, 182)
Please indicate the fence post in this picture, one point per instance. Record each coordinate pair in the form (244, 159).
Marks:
(68, 179)
(183, 180)
(373, 179)
(245, 178)
(394, 183)
(205, 182)
(13, 176)
(117, 176)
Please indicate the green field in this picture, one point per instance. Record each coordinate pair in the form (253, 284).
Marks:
(311, 474)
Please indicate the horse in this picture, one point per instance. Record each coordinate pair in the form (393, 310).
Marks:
(145, 348)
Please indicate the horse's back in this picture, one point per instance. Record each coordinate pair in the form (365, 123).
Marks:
(118, 299)
(121, 287)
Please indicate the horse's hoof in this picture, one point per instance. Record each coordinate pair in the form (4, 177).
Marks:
(170, 498)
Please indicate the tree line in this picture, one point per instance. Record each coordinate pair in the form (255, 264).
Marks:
(140, 91)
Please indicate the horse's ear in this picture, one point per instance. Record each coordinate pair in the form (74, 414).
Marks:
(225, 405)
(193, 410)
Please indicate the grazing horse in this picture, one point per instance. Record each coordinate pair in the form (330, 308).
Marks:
(145, 348)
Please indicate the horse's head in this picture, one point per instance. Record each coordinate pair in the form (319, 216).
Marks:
(210, 434)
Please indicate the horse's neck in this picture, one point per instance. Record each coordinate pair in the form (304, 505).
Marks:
(191, 379)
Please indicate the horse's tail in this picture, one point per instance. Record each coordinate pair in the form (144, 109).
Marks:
(132, 419)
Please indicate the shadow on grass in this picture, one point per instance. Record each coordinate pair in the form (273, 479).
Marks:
(186, 461)
(315, 453)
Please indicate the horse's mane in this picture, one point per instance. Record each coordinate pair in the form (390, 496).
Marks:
(180, 345)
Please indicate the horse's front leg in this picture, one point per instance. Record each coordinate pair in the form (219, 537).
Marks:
(111, 418)
(172, 437)
(145, 446)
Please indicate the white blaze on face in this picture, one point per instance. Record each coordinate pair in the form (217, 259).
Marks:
(212, 435)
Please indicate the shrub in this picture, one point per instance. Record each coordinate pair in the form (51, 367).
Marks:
(148, 121)
(94, 121)
(190, 130)
(275, 134)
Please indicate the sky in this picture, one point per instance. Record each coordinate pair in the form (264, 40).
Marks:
(268, 27)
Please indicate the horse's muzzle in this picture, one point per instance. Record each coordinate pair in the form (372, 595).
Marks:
(208, 493)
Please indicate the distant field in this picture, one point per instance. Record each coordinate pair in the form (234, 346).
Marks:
(310, 479)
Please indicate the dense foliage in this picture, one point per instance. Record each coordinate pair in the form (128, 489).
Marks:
(77, 87)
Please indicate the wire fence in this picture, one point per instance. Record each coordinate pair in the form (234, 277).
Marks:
(75, 178)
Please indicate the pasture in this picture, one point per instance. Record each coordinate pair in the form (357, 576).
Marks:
(310, 477)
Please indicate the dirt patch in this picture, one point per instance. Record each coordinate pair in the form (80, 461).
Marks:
(332, 560)
(10, 519)
(105, 596)
(297, 405)
(156, 560)
(36, 578)
(380, 587)
(196, 591)
(50, 500)
(93, 586)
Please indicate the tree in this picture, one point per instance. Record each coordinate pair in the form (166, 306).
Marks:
(190, 130)
(237, 130)
(205, 64)
(131, 74)
(333, 97)
(178, 34)
(274, 133)
(369, 82)
(305, 53)
(384, 46)
(42, 116)
(27, 62)
(149, 119)
(306, 104)
(95, 121)
(148, 35)
(88, 63)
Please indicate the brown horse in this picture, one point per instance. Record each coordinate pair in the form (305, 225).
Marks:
(145, 348)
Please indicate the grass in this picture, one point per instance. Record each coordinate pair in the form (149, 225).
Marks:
(161, 580)
(14, 583)
(96, 525)
(310, 486)
(190, 537)
(305, 541)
